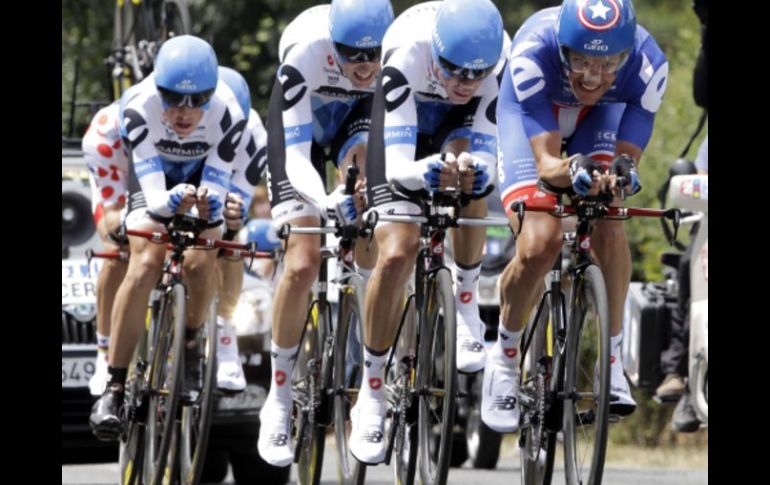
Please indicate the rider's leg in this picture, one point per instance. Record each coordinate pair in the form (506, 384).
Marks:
(199, 275)
(468, 246)
(128, 314)
(521, 283)
(302, 261)
(398, 245)
(107, 283)
(613, 256)
(229, 369)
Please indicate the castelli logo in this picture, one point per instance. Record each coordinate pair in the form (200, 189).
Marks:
(466, 296)
(330, 60)
(510, 353)
(612, 359)
(280, 377)
(375, 383)
(225, 340)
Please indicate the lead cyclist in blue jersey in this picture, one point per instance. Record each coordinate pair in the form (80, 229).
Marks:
(587, 78)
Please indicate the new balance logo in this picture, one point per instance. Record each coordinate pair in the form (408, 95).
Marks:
(374, 437)
(472, 346)
(506, 403)
(278, 439)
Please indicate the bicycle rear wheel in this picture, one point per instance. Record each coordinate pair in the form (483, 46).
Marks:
(587, 380)
(165, 381)
(308, 386)
(347, 377)
(437, 380)
(196, 417)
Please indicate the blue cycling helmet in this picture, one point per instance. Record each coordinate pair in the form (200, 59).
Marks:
(186, 71)
(468, 37)
(360, 24)
(596, 27)
(240, 88)
(261, 231)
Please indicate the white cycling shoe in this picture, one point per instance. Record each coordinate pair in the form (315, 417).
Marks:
(500, 396)
(367, 434)
(471, 355)
(274, 444)
(621, 401)
(230, 375)
(98, 382)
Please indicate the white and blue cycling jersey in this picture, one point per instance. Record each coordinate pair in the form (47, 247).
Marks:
(419, 117)
(160, 159)
(315, 110)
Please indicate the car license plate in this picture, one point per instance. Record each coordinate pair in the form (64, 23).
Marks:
(76, 371)
(78, 281)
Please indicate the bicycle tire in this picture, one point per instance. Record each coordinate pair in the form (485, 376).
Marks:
(131, 449)
(167, 355)
(588, 342)
(310, 437)
(401, 377)
(347, 376)
(537, 445)
(196, 419)
(436, 366)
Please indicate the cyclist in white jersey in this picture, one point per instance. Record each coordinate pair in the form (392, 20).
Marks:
(107, 161)
(436, 105)
(319, 109)
(186, 132)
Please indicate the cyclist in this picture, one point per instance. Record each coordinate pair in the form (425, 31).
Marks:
(584, 74)
(107, 161)
(186, 134)
(320, 107)
(436, 101)
(230, 375)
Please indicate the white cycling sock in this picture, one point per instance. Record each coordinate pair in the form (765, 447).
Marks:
(373, 382)
(282, 362)
(506, 349)
(466, 287)
(102, 342)
(615, 345)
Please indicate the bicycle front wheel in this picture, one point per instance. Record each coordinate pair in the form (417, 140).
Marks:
(196, 417)
(587, 380)
(437, 380)
(131, 457)
(347, 377)
(164, 384)
(537, 444)
(308, 385)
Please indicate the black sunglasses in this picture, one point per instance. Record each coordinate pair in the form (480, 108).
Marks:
(355, 55)
(453, 70)
(193, 100)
